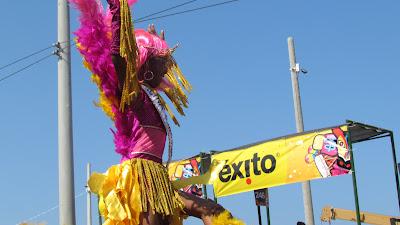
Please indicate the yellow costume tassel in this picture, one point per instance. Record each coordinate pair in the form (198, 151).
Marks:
(226, 218)
(170, 113)
(176, 94)
(104, 102)
(129, 51)
(181, 77)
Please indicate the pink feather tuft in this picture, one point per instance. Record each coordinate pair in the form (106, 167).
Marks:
(94, 40)
(131, 2)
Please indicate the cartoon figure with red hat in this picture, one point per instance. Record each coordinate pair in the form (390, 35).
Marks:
(330, 153)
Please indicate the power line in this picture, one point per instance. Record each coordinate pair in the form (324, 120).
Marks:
(48, 210)
(173, 7)
(30, 55)
(37, 61)
(25, 57)
(139, 20)
(186, 11)
(53, 45)
(26, 67)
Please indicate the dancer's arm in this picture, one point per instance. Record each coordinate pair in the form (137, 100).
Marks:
(203, 209)
(207, 210)
(118, 61)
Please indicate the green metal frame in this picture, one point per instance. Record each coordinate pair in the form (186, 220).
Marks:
(202, 171)
(259, 215)
(396, 172)
(353, 174)
(215, 197)
(381, 134)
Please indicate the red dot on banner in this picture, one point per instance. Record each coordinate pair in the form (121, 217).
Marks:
(248, 181)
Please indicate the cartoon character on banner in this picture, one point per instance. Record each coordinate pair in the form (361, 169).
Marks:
(187, 170)
(330, 153)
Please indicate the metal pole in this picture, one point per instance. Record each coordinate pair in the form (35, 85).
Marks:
(215, 197)
(267, 206)
(396, 172)
(353, 175)
(65, 151)
(259, 215)
(88, 197)
(306, 187)
(98, 211)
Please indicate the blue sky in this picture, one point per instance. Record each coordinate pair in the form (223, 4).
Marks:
(236, 58)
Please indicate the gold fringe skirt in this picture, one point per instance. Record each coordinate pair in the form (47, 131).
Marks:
(133, 187)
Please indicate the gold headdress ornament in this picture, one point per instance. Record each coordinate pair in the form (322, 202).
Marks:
(129, 50)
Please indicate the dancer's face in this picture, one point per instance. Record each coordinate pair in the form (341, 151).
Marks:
(153, 72)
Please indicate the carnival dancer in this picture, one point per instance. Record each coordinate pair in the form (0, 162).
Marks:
(131, 68)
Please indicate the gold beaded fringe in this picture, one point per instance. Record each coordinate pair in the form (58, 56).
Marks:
(157, 193)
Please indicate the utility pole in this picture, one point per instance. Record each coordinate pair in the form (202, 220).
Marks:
(65, 152)
(294, 70)
(88, 197)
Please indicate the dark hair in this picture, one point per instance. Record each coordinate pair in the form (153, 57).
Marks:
(157, 67)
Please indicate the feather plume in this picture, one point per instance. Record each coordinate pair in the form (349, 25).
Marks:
(226, 218)
(93, 42)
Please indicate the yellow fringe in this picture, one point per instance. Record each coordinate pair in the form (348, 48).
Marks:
(170, 113)
(104, 102)
(134, 187)
(226, 218)
(177, 94)
(129, 51)
(181, 77)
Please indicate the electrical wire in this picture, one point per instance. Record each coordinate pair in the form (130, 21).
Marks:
(24, 68)
(47, 210)
(28, 56)
(139, 20)
(44, 49)
(173, 7)
(25, 57)
(34, 63)
(186, 11)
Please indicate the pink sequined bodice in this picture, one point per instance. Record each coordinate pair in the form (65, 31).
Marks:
(140, 131)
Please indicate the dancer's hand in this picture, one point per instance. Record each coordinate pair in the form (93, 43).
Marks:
(152, 30)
